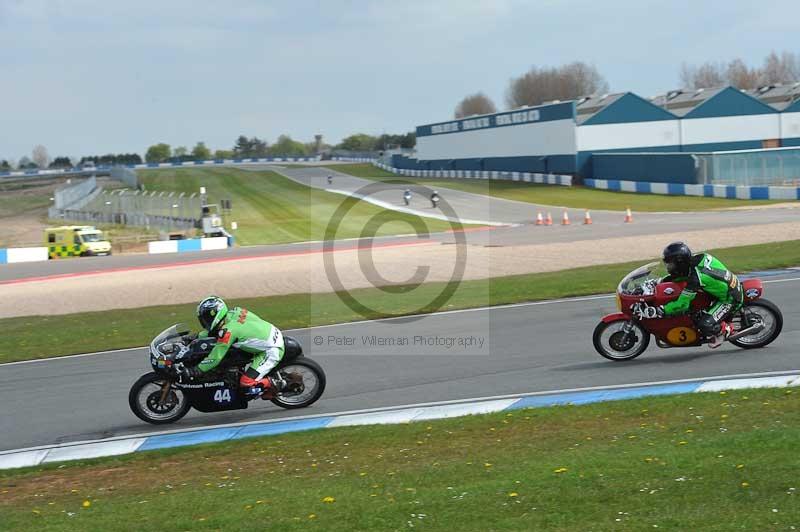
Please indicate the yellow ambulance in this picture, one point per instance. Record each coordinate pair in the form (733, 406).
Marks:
(75, 241)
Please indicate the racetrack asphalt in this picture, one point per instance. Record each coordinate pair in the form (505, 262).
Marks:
(606, 224)
(529, 347)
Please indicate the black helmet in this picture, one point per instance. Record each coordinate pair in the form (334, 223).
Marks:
(677, 258)
(211, 312)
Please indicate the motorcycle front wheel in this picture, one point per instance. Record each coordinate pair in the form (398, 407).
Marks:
(150, 401)
(612, 342)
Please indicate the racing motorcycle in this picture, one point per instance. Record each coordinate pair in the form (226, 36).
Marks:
(158, 397)
(626, 334)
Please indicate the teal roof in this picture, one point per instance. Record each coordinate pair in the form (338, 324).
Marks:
(729, 102)
(625, 108)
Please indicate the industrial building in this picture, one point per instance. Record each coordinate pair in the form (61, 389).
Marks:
(677, 137)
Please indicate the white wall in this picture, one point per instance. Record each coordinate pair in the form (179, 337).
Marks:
(628, 135)
(26, 254)
(790, 125)
(538, 138)
(730, 128)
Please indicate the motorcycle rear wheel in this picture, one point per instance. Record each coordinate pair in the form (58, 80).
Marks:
(306, 394)
(145, 396)
(771, 315)
(606, 335)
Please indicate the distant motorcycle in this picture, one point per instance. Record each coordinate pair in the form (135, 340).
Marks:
(434, 200)
(157, 397)
(407, 197)
(625, 335)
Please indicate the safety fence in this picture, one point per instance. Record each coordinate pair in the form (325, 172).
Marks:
(775, 167)
(709, 191)
(525, 177)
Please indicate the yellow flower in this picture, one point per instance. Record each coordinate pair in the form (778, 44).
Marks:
(682, 442)
(745, 484)
(248, 507)
(513, 494)
(202, 519)
(37, 512)
(362, 474)
(688, 431)
(487, 464)
(739, 466)
(560, 470)
(312, 516)
(328, 499)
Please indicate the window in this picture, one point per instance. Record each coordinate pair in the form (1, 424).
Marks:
(51, 238)
(77, 240)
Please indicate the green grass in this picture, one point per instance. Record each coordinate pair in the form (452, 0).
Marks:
(21, 204)
(710, 462)
(573, 197)
(272, 209)
(45, 336)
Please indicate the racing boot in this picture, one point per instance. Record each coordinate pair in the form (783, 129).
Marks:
(252, 387)
(724, 332)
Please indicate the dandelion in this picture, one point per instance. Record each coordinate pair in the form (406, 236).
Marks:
(487, 464)
(202, 519)
(328, 499)
(362, 474)
(312, 516)
(740, 466)
(682, 442)
(513, 494)
(248, 507)
(560, 470)
(745, 484)
(86, 504)
(37, 512)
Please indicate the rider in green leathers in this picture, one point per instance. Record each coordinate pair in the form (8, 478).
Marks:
(703, 272)
(245, 331)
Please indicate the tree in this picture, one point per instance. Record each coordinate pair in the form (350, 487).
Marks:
(61, 162)
(741, 76)
(475, 104)
(243, 147)
(158, 153)
(776, 69)
(784, 68)
(286, 147)
(200, 152)
(180, 152)
(40, 156)
(358, 142)
(4, 166)
(566, 82)
(223, 154)
(25, 163)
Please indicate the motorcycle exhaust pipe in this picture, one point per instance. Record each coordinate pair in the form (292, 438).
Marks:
(758, 327)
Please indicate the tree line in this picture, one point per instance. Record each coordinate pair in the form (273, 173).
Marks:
(541, 85)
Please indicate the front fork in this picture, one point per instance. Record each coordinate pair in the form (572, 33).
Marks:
(164, 391)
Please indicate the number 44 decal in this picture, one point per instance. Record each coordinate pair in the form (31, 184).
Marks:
(222, 396)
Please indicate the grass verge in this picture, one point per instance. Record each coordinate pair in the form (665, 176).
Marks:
(33, 337)
(713, 461)
(271, 209)
(573, 197)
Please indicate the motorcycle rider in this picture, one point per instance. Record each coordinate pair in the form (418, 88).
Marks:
(242, 329)
(407, 196)
(702, 272)
(434, 199)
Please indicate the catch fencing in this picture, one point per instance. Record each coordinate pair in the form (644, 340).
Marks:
(777, 166)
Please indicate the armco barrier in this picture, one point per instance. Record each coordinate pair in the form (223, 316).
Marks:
(178, 438)
(11, 255)
(105, 169)
(525, 177)
(709, 191)
(192, 244)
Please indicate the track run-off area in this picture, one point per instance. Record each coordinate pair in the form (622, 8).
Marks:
(514, 349)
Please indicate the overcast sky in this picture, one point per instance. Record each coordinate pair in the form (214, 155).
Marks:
(96, 76)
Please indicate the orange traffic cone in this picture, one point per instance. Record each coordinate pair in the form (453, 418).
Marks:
(628, 216)
(548, 220)
(565, 219)
(539, 219)
(587, 218)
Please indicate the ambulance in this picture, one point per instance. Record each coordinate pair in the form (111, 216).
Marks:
(75, 241)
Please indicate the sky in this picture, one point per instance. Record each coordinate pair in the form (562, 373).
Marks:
(86, 77)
